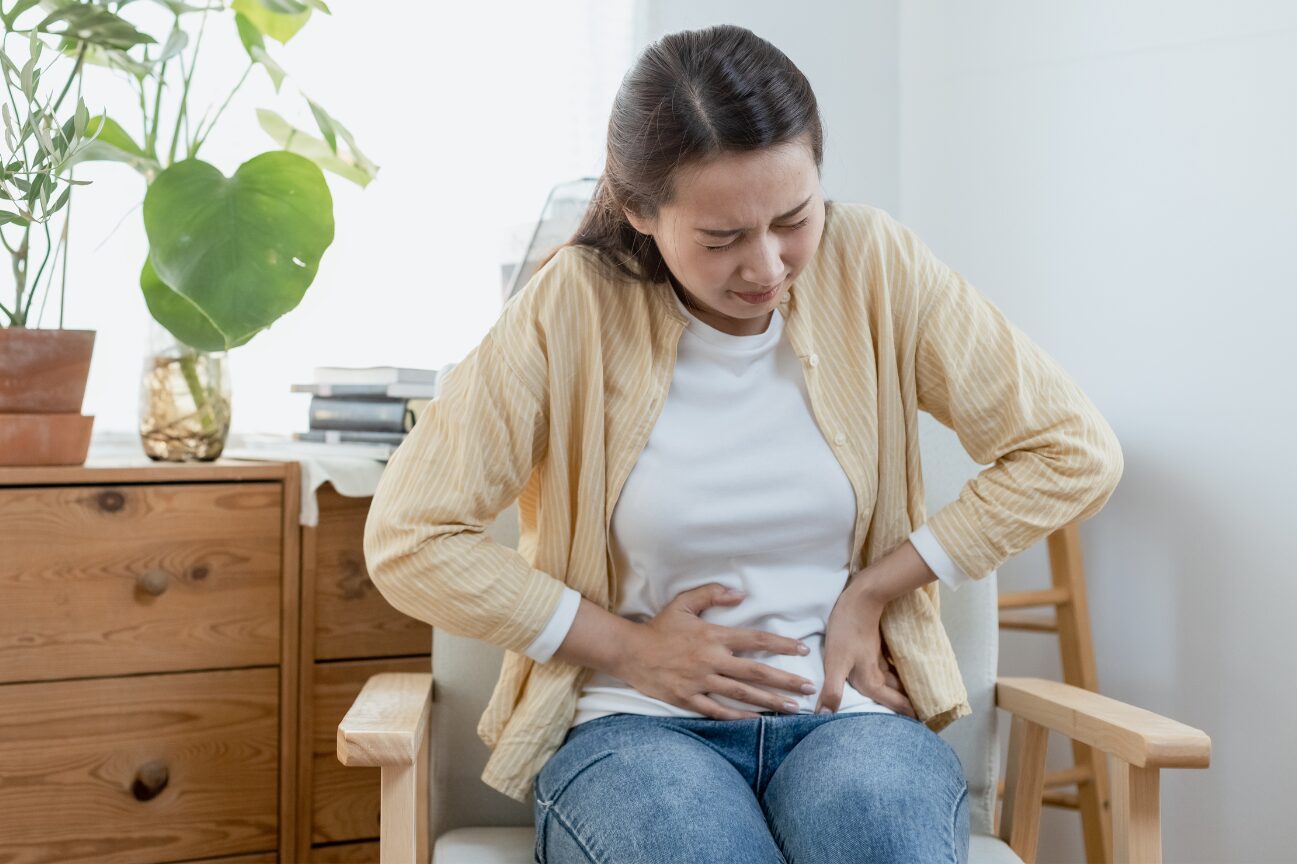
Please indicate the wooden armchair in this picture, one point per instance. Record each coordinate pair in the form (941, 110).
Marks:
(420, 729)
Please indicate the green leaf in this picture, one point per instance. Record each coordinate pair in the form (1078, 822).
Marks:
(177, 7)
(59, 202)
(325, 122)
(250, 36)
(95, 25)
(243, 250)
(347, 165)
(109, 58)
(284, 7)
(81, 119)
(318, 4)
(10, 69)
(273, 69)
(181, 316)
(112, 144)
(7, 218)
(18, 8)
(10, 138)
(176, 42)
(278, 25)
(26, 79)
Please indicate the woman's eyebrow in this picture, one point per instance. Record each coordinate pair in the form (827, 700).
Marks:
(725, 232)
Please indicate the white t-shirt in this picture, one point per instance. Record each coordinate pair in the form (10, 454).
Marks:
(735, 485)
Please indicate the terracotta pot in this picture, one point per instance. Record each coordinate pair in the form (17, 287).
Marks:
(44, 439)
(43, 377)
(44, 371)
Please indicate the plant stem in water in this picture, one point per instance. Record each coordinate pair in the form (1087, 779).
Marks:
(189, 368)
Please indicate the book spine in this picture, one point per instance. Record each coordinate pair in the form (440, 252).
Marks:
(360, 415)
(335, 436)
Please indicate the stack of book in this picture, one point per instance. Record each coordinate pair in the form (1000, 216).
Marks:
(376, 405)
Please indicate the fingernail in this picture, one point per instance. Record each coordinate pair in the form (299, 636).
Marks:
(824, 710)
(802, 648)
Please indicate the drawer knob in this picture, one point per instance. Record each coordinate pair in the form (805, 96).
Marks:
(153, 582)
(150, 779)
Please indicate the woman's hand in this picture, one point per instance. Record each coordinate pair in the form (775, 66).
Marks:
(679, 658)
(853, 652)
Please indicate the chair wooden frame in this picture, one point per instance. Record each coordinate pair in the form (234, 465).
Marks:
(388, 726)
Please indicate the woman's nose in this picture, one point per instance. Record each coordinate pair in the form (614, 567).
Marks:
(766, 267)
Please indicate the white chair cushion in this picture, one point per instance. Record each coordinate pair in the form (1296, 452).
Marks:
(989, 849)
(515, 846)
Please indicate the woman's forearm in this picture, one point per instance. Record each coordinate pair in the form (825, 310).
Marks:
(897, 573)
(598, 639)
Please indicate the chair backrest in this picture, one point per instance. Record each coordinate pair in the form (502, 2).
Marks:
(465, 671)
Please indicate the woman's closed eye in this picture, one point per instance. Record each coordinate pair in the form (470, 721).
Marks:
(801, 224)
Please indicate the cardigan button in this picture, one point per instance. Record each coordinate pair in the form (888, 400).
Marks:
(840, 438)
(814, 360)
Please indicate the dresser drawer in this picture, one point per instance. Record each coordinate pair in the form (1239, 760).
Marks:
(351, 618)
(344, 801)
(346, 853)
(111, 580)
(142, 769)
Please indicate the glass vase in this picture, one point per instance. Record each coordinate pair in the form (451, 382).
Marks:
(184, 400)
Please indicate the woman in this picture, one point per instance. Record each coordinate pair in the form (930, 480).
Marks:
(715, 386)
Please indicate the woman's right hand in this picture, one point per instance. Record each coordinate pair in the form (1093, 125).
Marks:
(680, 658)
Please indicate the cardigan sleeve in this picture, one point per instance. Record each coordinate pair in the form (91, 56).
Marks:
(467, 459)
(1053, 458)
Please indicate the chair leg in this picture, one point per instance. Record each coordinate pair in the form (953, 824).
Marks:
(1024, 782)
(405, 807)
(1136, 819)
(1076, 650)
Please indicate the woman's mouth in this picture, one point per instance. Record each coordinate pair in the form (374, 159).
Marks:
(759, 298)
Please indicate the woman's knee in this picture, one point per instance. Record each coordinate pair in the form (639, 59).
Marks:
(881, 783)
(666, 794)
(884, 755)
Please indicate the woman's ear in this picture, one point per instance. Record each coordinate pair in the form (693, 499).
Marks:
(643, 226)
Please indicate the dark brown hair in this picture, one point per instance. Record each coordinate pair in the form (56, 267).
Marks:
(690, 96)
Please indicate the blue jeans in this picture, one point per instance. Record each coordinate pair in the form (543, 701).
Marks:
(787, 788)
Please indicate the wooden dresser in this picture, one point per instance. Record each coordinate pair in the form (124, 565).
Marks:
(175, 654)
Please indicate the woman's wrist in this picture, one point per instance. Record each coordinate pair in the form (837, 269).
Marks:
(599, 639)
(894, 575)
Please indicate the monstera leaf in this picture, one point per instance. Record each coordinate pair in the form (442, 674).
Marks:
(229, 256)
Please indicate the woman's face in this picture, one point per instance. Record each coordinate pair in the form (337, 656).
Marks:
(741, 228)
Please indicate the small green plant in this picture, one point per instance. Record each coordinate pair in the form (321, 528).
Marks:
(42, 139)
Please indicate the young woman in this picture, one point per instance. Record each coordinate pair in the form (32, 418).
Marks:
(714, 387)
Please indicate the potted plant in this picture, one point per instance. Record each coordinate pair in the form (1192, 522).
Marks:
(43, 372)
(227, 256)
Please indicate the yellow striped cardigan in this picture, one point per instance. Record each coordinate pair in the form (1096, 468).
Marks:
(555, 404)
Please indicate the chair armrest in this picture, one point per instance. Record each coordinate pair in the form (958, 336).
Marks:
(1140, 743)
(1132, 734)
(388, 720)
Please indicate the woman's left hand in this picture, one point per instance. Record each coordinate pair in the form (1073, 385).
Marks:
(853, 651)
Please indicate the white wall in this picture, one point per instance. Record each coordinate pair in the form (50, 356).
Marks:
(473, 111)
(847, 50)
(1119, 178)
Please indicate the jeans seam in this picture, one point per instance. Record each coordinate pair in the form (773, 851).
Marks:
(581, 844)
(761, 749)
(954, 818)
